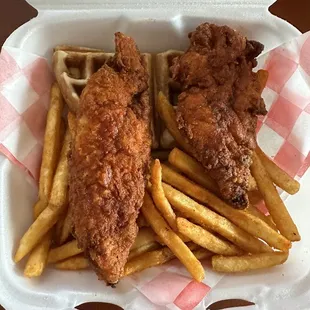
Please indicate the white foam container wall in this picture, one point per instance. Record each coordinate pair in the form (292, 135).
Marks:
(156, 26)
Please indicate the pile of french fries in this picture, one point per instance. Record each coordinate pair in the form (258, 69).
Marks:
(183, 215)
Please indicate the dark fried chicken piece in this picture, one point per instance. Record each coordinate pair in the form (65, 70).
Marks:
(218, 107)
(110, 159)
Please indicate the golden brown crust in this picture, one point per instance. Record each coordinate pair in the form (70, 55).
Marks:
(110, 157)
(74, 65)
(218, 107)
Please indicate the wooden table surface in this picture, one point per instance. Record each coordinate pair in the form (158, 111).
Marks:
(14, 13)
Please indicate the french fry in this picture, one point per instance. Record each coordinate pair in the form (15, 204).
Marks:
(192, 168)
(62, 132)
(145, 242)
(38, 257)
(171, 239)
(73, 263)
(57, 205)
(277, 175)
(52, 145)
(252, 184)
(240, 218)
(160, 257)
(145, 235)
(51, 149)
(269, 217)
(66, 228)
(202, 254)
(206, 239)
(66, 250)
(255, 212)
(147, 260)
(274, 203)
(72, 124)
(213, 221)
(60, 184)
(58, 229)
(191, 245)
(262, 76)
(167, 114)
(39, 207)
(160, 200)
(255, 197)
(231, 264)
(143, 249)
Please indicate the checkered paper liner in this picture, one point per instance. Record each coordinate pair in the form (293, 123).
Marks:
(284, 134)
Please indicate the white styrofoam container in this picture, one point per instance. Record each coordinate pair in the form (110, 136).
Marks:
(156, 26)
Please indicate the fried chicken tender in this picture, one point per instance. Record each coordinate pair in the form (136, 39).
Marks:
(110, 160)
(219, 103)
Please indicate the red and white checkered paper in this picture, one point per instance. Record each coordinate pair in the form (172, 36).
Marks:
(284, 134)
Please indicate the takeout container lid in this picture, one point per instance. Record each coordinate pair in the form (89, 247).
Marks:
(92, 23)
(128, 4)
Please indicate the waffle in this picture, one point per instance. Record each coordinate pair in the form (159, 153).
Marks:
(74, 48)
(73, 66)
(170, 89)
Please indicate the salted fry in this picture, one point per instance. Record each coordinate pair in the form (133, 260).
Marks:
(202, 254)
(274, 203)
(52, 140)
(171, 239)
(143, 249)
(66, 228)
(62, 131)
(277, 175)
(38, 257)
(270, 220)
(240, 218)
(160, 257)
(57, 205)
(72, 124)
(167, 114)
(58, 229)
(213, 221)
(254, 211)
(60, 184)
(206, 239)
(64, 251)
(244, 263)
(192, 168)
(54, 132)
(252, 184)
(39, 207)
(160, 200)
(145, 242)
(73, 263)
(255, 197)
(52, 145)
(145, 236)
(262, 77)
(147, 260)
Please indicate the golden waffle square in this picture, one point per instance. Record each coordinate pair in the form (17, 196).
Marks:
(74, 65)
(171, 89)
